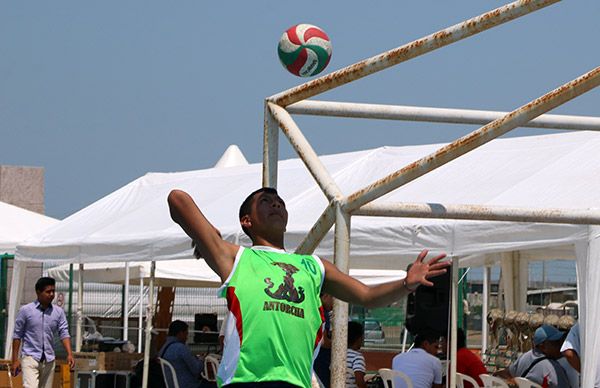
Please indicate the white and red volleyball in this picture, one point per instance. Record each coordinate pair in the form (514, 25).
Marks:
(304, 50)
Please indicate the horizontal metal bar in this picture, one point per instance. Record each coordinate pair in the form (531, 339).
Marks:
(481, 213)
(475, 139)
(305, 152)
(435, 115)
(410, 50)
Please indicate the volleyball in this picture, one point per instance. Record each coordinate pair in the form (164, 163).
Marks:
(304, 50)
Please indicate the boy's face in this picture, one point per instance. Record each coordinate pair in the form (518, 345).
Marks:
(268, 214)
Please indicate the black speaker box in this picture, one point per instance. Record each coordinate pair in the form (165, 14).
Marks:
(427, 308)
(210, 321)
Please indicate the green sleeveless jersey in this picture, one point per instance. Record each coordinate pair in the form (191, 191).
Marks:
(274, 327)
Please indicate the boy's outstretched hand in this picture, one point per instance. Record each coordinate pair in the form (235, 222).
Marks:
(420, 271)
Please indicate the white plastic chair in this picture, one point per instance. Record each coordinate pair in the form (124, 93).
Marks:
(462, 378)
(522, 382)
(211, 366)
(492, 381)
(164, 365)
(388, 375)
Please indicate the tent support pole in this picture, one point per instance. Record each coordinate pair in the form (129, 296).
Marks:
(148, 333)
(79, 337)
(126, 305)
(484, 310)
(141, 315)
(454, 322)
(340, 309)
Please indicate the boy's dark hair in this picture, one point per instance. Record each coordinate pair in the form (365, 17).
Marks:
(426, 335)
(246, 206)
(44, 282)
(355, 331)
(461, 339)
(177, 327)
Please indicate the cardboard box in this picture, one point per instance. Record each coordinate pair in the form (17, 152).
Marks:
(106, 361)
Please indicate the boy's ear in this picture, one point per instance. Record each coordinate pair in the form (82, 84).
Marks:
(245, 221)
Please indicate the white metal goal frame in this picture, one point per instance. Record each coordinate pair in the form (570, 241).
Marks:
(279, 107)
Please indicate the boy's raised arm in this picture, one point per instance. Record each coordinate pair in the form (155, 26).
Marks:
(353, 291)
(218, 253)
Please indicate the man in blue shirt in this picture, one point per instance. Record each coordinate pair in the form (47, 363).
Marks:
(187, 366)
(34, 329)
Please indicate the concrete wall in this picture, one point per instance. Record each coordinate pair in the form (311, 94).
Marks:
(24, 187)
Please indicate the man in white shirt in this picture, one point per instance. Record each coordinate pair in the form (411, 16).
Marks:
(571, 349)
(420, 363)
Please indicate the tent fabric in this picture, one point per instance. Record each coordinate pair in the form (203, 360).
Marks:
(183, 273)
(556, 170)
(18, 224)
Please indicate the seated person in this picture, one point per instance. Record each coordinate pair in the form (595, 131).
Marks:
(187, 366)
(467, 362)
(420, 363)
(355, 361)
(539, 364)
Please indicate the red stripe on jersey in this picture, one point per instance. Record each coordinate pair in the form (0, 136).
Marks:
(233, 304)
(319, 336)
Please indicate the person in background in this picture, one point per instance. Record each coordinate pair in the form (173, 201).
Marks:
(323, 360)
(420, 363)
(540, 363)
(355, 361)
(466, 361)
(35, 326)
(187, 366)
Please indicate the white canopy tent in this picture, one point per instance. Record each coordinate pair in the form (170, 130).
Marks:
(18, 224)
(552, 171)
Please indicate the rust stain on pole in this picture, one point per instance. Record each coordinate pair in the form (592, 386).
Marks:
(408, 51)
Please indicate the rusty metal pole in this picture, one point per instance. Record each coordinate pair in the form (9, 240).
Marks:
(411, 50)
(318, 231)
(148, 332)
(306, 152)
(340, 309)
(270, 150)
(479, 212)
(435, 115)
(475, 139)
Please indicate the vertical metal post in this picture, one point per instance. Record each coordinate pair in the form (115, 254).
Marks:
(340, 309)
(126, 304)
(270, 149)
(3, 303)
(78, 337)
(484, 310)
(148, 333)
(141, 314)
(70, 304)
(453, 323)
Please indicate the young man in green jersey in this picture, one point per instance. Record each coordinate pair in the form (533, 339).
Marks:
(273, 296)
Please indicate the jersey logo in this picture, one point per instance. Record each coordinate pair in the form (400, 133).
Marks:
(286, 290)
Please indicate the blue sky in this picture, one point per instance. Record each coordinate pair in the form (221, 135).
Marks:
(101, 93)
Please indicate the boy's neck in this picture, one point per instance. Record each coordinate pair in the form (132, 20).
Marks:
(274, 243)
